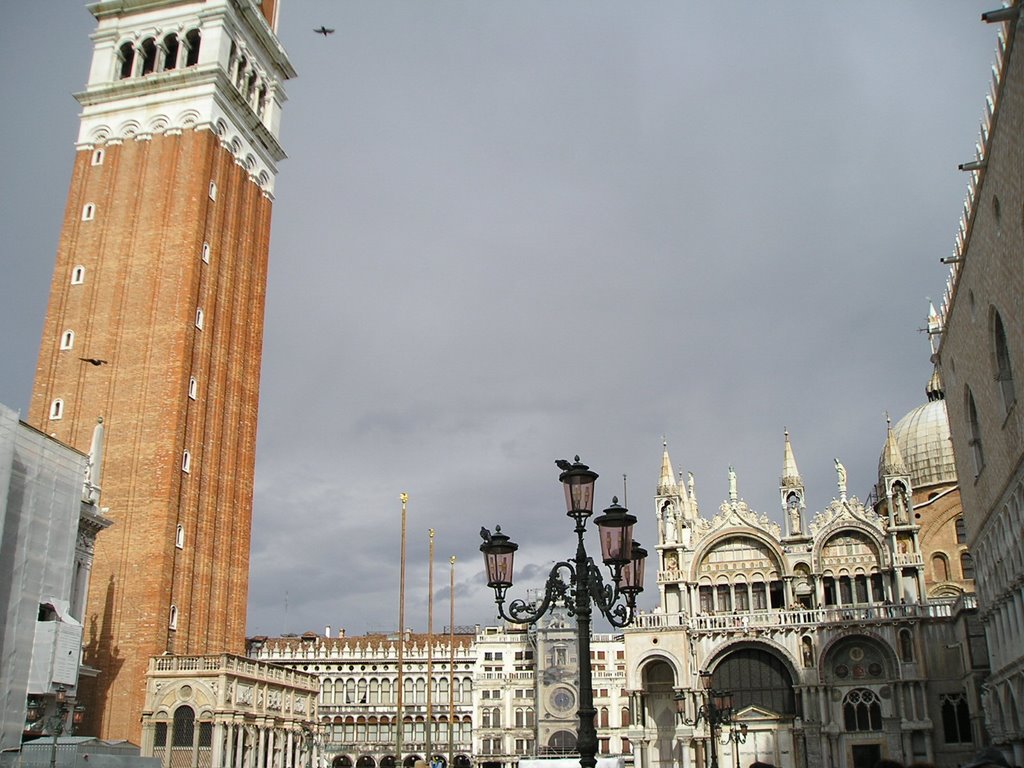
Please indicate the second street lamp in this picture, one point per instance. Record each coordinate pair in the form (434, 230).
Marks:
(716, 711)
(577, 584)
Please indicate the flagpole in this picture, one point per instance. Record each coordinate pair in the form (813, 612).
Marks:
(401, 638)
(451, 663)
(430, 650)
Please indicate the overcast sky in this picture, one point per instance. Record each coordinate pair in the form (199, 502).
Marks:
(510, 232)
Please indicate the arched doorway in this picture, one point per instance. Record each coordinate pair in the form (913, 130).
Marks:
(341, 761)
(462, 761)
(763, 699)
(659, 686)
(365, 761)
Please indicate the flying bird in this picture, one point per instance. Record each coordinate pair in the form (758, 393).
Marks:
(93, 360)
(324, 31)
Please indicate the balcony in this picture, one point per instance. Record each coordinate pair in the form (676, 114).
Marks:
(739, 622)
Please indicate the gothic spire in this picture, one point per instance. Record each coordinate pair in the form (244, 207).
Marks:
(892, 459)
(790, 472)
(667, 482)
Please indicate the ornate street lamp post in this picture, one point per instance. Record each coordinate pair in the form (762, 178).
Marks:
(716, 711)
(737, 734)
(577, 584)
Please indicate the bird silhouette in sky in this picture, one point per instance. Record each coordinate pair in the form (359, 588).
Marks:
(324, 31)
(92, 360)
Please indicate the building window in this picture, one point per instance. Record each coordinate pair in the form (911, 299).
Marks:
(179, 537)
(57, 409)
(186, 461)
(967, 565)
(67, 340)
(975, 428)
(126, 53)
(148, 56)
(184, 727)
(862, 711)
(206, 252)
(213, 190)
(88, 212)
(193, 388)
(906, 646)
(961, 530)
(172, 622)
(956, 718)
(171, 47)
(97, 157)
(78, 275)
(192, 43)
(1004, 372)
(160, 735)
(199, 319)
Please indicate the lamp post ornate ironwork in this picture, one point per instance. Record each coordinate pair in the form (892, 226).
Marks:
(716, 711)
(577, 584)
(58, 721)
(737, 734)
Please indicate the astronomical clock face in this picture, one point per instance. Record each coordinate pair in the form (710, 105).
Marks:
(562, 699)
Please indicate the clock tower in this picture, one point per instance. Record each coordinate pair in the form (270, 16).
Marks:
(155, 324)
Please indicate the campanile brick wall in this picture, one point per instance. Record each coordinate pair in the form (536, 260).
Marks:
(144, 279)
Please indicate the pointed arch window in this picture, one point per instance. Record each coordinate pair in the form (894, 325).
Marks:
(78, 275)
(206, 252)
(179, 537)
(97, 157)
(961, 530)
(88, 212)
(975, 430)
(186, 461)
(199, 319)
(172, 622)
(213, 190)
(862, 711)
(67, 340)
(193, 388)
(956, 718)
(940, 567)
(57, 409)
(1004, 371)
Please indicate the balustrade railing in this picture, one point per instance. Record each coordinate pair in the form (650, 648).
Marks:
(743, 620)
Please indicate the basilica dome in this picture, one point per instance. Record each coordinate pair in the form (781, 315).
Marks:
(923, 440)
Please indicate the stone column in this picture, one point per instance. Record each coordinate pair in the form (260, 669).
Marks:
(217, 753)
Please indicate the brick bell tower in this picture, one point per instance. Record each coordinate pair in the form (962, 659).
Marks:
(155, 323)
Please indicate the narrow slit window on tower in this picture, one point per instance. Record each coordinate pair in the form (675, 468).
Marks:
(57, 409)
(213, 190)
(97, 157)
(1004, 371)
(199, 319)
(88, 212)
(172, 620)
(206, 252)
(193, 388)
(186, 461)
(78, 275)
(975, 439)
(179, 537)
(67, 340)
